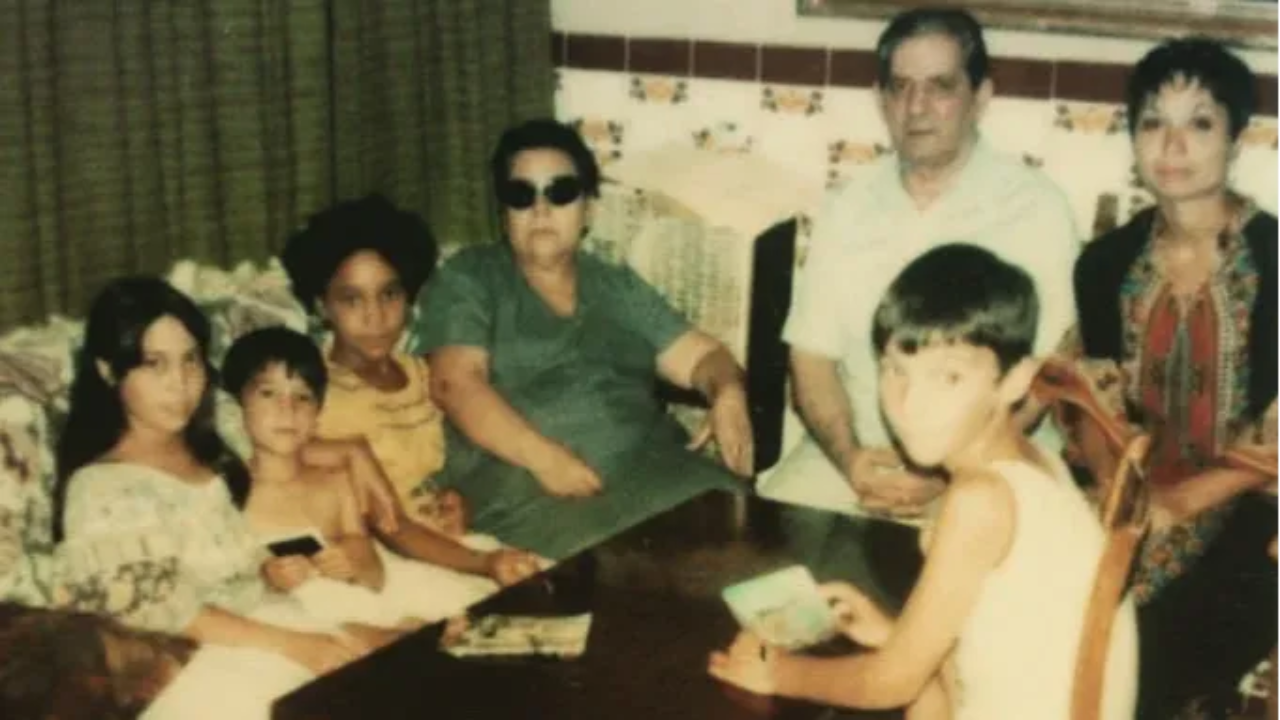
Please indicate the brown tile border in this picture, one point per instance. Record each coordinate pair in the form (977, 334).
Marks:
(596, 52)
(663, 57)
(727, 61)
(852, 68)
(793, 65)
(1091, 82)
(1014, 77)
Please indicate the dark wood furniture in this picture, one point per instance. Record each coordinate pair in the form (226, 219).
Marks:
(654, 595)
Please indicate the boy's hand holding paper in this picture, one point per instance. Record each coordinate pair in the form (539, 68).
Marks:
(784, 609)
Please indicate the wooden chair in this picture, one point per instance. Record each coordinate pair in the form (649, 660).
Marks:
(1124, 519)
(1123, 511)
(1117, 454)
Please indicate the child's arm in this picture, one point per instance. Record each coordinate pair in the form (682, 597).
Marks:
(419, 542)
(972, 536)
(350, 555)
(352, 558)
(371, 487)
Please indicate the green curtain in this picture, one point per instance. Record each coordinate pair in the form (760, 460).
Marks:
(134, 133)
(423, 89)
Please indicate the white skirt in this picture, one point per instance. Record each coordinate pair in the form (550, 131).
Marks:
(223, 682)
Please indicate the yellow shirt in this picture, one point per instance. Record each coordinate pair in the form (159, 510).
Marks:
(404, 427)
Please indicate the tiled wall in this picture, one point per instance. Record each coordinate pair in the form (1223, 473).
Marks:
(811, 110)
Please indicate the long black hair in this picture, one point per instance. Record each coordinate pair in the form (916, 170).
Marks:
(118, 320)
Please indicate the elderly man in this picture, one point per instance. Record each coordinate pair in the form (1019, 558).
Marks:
(944, 184)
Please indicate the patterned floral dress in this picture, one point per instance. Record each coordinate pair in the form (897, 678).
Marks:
(1185, 371)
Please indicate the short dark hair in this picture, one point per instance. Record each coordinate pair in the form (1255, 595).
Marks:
(1206, 62)
(960, 294)
(253, 352)
(957, 24)
(312, 256)
(548, 134)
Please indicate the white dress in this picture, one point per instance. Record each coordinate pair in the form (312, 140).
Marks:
(153, 551)
(412, 590)
(1017, 651)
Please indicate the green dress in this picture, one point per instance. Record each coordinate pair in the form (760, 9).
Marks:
(586, 381)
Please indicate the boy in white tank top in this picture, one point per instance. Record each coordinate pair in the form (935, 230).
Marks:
(993, 626)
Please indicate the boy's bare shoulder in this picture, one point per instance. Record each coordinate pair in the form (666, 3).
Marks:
(981, 496)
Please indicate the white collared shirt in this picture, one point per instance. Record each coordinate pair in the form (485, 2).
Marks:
(870, 230)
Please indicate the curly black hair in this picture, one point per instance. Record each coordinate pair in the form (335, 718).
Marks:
(401, 237)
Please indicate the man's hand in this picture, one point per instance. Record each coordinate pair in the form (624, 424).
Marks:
(334, 562)
(883, 482)
(729, 423)
(509, 566)
(286, 573)
(563, 474)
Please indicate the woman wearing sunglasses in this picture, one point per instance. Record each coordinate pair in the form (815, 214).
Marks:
(544, 359)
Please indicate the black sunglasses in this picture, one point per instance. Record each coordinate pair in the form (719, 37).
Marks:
(522, 194)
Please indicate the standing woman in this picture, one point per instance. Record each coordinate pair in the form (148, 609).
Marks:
(147, 510)
(1183, 300)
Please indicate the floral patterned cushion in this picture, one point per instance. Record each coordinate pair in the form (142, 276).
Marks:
(36, 367)
(26, 482)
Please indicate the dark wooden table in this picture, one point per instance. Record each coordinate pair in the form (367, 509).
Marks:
(653, 592)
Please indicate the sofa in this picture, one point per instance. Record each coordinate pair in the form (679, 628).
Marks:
(705, 270)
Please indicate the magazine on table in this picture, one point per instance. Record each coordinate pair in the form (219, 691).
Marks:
(490, 635)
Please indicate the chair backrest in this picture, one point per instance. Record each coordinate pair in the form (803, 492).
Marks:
(1124, 519)
(1123, 512)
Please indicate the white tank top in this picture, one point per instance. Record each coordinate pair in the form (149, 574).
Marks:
(1016, 655)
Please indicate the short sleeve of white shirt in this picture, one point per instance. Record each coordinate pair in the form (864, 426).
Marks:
(816, 323)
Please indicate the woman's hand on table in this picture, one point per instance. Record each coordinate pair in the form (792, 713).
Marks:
(286, 573)
(748, 664)
(861, 619)
(729, 423)
(509, 566)
(563, 474)
(884, 482)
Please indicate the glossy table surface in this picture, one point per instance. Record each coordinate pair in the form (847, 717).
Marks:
(654, 595)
